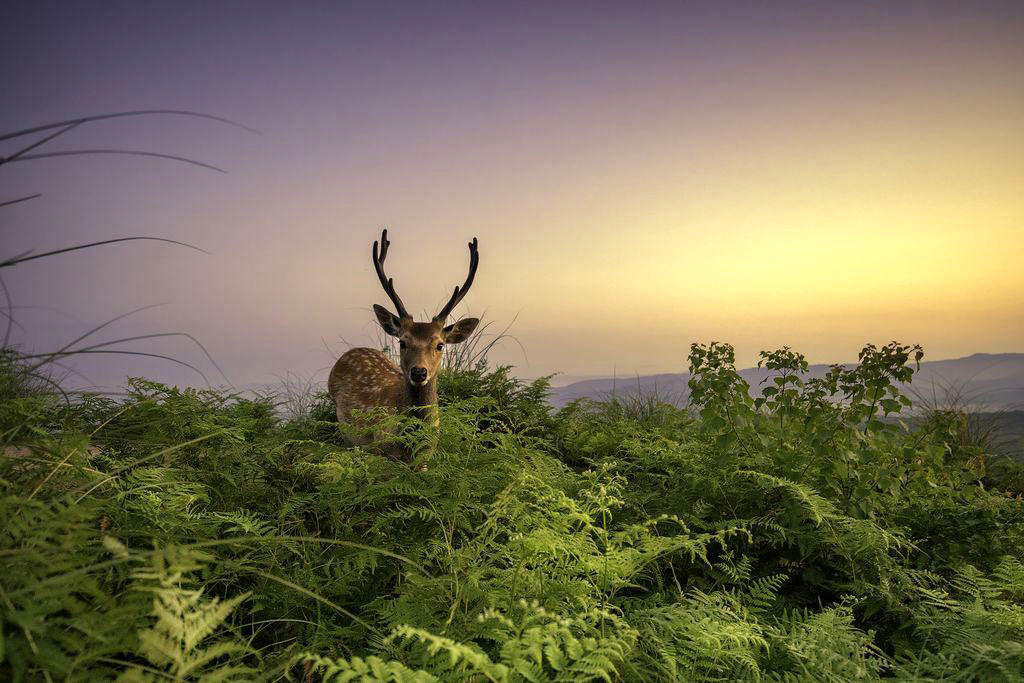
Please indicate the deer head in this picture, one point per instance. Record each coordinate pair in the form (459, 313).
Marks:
(421, 345)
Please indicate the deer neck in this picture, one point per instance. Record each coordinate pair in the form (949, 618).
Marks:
(419, 399)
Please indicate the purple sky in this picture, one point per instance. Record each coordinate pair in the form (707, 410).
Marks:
(640, 176)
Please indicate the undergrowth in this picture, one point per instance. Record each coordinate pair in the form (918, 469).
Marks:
(800, 535)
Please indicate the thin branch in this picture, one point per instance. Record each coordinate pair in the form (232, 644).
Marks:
(22, 258)
(10, 312)
(128, 152)
(502, 336)
(19, 257)
(37, 143)
(94, 330)
(12, 321)
(65, 352)
(156, 355)
(20, 199)
(306, 592)
(55, 385)
(140, 112)
(71, 370)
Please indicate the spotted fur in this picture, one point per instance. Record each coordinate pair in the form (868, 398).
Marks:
(363, 379)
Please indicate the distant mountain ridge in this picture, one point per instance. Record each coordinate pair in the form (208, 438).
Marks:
(986, 381)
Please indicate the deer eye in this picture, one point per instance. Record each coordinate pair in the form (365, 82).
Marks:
(440, 346)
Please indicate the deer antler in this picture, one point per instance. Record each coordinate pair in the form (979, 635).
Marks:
(474, 261)
(385, 281)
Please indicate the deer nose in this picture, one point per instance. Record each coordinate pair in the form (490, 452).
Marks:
(418, 374)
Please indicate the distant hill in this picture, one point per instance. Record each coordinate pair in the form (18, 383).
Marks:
(983, 381)
(1009, 427)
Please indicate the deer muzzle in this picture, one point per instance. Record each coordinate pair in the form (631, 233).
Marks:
(418, 376)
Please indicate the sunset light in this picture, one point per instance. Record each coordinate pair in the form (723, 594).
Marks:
(662, 341)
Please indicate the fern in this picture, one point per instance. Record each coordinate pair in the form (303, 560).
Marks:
(357, 669)
(788, 535)
(177, 642)
(825, 646)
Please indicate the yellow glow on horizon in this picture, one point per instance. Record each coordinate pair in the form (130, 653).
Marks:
(817, 177)
(616, 228)
(861, 232)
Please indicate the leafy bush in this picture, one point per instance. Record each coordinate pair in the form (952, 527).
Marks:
(802, 534)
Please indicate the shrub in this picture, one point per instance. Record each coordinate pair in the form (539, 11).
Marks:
(803, 534)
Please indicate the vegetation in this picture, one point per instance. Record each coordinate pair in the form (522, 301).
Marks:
(803, 535)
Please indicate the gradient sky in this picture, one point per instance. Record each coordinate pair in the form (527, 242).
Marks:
(639, 175)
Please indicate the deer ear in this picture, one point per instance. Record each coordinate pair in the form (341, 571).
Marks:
(391, 323)
(460, 331)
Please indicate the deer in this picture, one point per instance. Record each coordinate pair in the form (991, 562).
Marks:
(365, 379)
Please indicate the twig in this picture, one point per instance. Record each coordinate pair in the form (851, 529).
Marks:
(20, 199)
(127, 152)
(139, 112)
(23, 257)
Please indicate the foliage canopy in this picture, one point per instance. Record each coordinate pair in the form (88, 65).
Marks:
(798, 532)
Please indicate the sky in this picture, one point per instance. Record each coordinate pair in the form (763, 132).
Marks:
(640, 176)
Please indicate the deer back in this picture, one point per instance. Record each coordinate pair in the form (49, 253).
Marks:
(363, 379)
